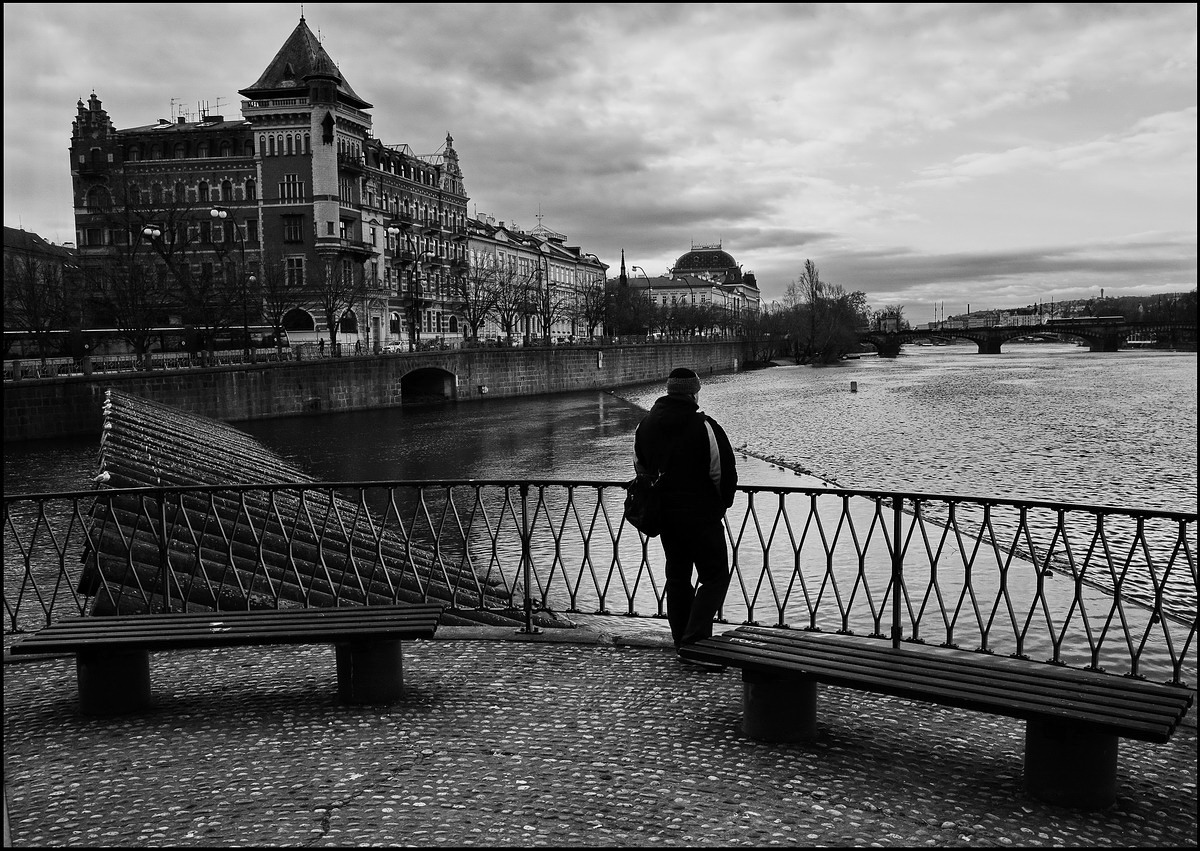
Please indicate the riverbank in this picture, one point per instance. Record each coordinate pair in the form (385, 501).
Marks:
(70, 406)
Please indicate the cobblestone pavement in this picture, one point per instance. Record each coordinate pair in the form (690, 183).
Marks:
(536, 741)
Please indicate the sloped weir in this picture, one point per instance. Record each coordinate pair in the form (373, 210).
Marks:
(281, 544)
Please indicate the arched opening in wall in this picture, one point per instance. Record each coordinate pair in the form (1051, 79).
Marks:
(427, 385)
(298, 319)
(348, 324)
(300, 326)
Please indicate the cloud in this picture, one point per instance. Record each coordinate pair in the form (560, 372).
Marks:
(1164, 140)
(982, 145)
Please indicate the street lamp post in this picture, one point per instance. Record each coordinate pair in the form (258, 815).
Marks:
(649, 300)
(219, 214)
(153, 233)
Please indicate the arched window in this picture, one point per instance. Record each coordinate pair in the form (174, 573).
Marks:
(156, 193)
(180, 151)
(249, 148)
(226, 149)
(262, 145)
(348, 323)
(135, 194)
(307, 144)
(250, 190)
(226, 191)
(394, 323)
(134, 153)
(204, 192)
(97, 198)
(289, 144)
(453, 324)
(202, 149)
(271, 142)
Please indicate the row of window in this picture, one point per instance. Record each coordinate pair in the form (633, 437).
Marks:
(98, 197)
(204, 149)
(284, 144)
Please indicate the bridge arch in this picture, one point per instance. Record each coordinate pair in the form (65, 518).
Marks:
(428, 384)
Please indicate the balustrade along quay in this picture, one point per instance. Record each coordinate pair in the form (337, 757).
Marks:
(1081, 585)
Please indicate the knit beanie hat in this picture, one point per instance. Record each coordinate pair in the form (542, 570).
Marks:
(683, 381)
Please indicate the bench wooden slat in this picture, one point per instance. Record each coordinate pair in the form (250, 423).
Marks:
(909, 674)
(997, 700)
(969, 667)
(898, 664)
(204, 629)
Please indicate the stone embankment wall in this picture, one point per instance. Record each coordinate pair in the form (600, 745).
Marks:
(71, 406)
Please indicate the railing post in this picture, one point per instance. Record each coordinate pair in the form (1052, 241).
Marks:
(527, 560)
(897, 566)
(162, 552)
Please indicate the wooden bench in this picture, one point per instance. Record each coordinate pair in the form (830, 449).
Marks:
(1073, 718)
(112, 653)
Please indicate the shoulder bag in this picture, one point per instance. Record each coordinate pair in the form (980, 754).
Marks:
(643, 499)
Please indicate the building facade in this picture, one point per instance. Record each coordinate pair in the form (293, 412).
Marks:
(706, 281)
(293, 213)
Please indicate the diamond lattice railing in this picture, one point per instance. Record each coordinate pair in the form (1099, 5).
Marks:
(1091, 586)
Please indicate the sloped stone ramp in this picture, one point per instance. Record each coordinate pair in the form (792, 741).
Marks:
(251, 548)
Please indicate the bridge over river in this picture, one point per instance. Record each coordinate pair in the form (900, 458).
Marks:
(1101, 334)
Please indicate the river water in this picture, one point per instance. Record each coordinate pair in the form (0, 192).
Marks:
(1041, 421)
(1045, 421)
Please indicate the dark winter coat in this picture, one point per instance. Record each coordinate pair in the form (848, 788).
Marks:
(701, 477)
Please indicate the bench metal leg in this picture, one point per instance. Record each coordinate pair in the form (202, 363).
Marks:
(1070, 764)
(778, 709)
(370, 672)
(113, 683)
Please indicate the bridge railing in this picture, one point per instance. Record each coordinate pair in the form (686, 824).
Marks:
(1090, 586)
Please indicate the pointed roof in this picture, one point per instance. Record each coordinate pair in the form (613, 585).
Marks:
(301, 56)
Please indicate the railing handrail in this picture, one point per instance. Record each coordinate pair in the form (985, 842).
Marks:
(823, 490)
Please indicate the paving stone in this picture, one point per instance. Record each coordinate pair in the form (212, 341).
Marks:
(548, 744)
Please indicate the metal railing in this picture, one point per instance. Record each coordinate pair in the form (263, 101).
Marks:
(24, 369)
(1090, 586)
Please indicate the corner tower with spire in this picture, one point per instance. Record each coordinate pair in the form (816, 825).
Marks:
(308, 122)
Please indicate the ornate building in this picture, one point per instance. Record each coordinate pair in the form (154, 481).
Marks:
(293, 202)
(708, 278)
(562, 286)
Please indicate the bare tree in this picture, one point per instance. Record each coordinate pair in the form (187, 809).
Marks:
(146, 275)
(475, 293)
(35, 299)
(511, 298)
(589, 307)
(278, 290)
(137, 298)
(335, 289)
(549, 303)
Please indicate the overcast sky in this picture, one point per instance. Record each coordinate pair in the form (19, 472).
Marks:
(982, 155)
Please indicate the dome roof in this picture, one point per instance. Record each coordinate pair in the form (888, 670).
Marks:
(704, 260)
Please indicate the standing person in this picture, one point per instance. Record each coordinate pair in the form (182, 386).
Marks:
(692, 452)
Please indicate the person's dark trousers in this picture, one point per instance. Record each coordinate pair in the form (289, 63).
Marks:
(688, 542)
